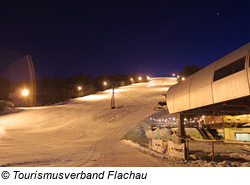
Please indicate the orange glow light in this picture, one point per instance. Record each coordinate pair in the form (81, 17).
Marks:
(25, 92)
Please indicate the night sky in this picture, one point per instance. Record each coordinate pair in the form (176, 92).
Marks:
(155, 38)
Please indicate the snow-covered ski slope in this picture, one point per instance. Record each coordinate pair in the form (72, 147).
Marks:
(83, 132)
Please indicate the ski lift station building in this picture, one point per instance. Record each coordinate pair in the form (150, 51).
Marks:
(169, 80)
(223, 87)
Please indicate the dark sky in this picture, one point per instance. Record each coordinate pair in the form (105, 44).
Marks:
(155, 38)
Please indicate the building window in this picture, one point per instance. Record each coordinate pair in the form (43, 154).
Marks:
(230, 69)
(242, 136)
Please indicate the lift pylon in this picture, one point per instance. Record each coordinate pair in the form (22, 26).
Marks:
(113, 99)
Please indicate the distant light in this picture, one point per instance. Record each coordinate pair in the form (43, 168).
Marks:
(131, 79)
(79, 88)
(25, 92)
(178, 76)
(173, 74)
(140, 78)
(104, 83)
(183, 78)
(148, 77)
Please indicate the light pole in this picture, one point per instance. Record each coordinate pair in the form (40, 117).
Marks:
(112, 84)
(79, 90)
(25, 93)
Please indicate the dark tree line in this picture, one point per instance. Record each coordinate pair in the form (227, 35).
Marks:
(53, 90)
(6, 86)
(49, 91)
(189, 70)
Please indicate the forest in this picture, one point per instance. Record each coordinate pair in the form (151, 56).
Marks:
(46, 91)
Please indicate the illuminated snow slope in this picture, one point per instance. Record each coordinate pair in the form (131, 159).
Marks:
(84, 132)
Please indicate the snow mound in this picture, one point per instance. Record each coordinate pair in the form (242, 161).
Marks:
(159, 133)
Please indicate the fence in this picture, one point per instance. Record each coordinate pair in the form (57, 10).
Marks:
(220, 148)
(214, 150)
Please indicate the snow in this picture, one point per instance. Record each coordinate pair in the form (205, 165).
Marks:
(82, 132)
(86, 132)
(199, 157)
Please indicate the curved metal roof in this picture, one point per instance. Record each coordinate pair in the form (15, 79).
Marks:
(199, 89)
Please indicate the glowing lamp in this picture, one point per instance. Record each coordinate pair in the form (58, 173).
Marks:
(25, 92)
